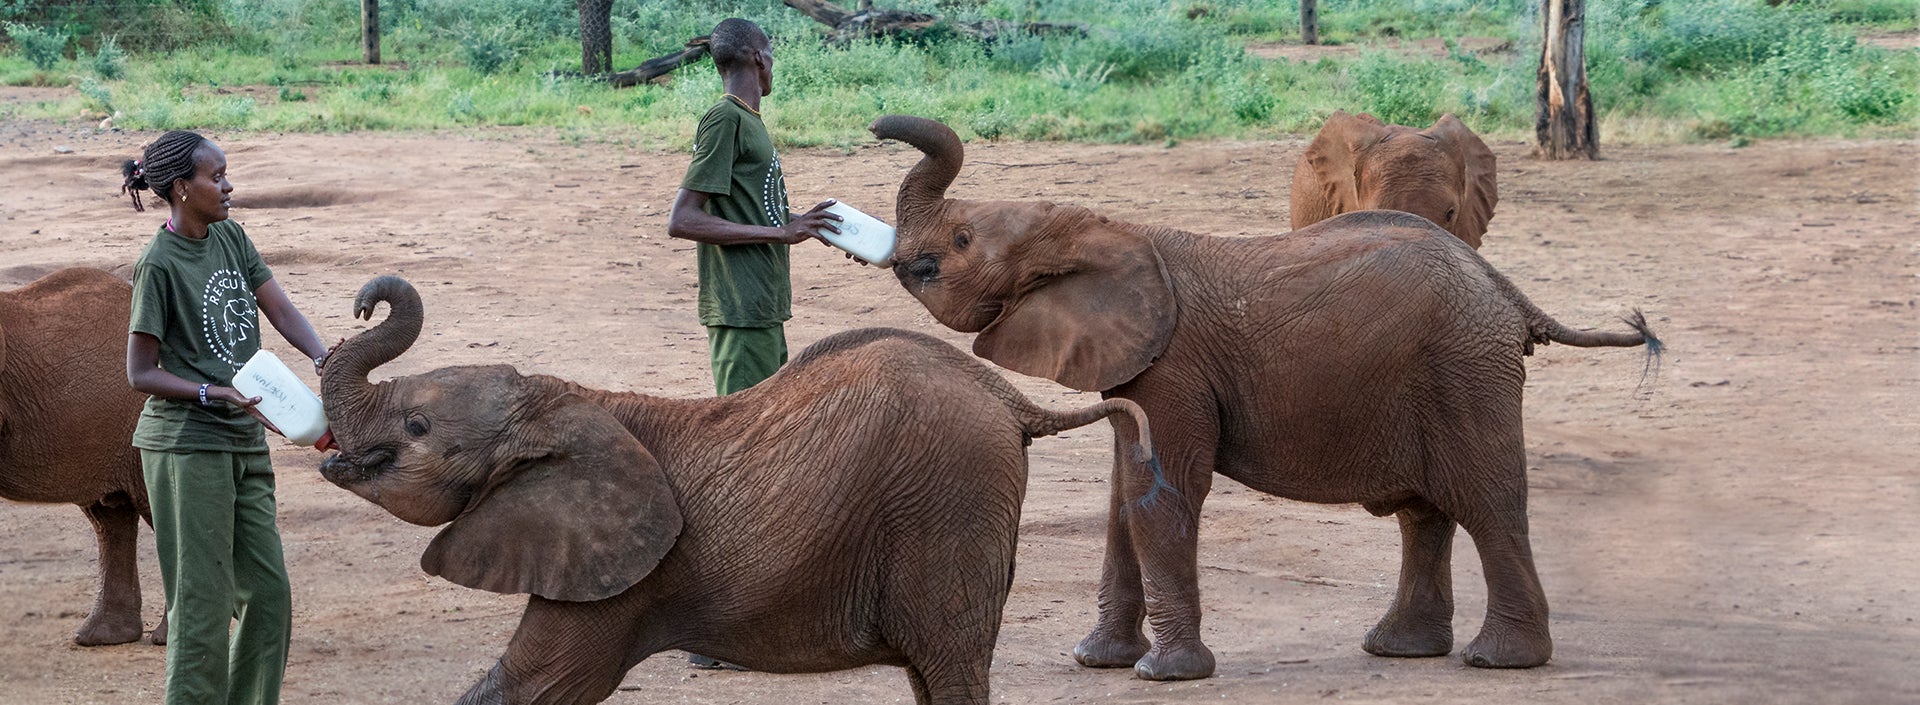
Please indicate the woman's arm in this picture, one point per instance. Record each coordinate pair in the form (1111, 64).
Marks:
(286, 318)
(147, 377)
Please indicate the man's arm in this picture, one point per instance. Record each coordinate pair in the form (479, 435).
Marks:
(691, 221)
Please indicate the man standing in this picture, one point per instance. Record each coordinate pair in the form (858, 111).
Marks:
(733, 202)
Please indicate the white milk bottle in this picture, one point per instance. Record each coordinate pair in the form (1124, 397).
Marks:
(284, 399)
(862, 235)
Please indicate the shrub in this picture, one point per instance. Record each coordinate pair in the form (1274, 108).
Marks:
(42, 47)
(1077, 79)
(489, 49)
(1872, 11)
(109, 61)
(1873, 96)
(1398, 90)
(1704, 35)
(461, 108)
(98, 96)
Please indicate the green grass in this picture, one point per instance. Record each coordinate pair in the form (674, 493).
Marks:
(1148, 72)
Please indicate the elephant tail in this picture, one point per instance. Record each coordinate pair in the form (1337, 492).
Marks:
(1542, 329)
(1041, 422)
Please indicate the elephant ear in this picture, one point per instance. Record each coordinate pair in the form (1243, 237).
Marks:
(1325, 181)
(583, 515)
(1482, 192)
(1100, 315)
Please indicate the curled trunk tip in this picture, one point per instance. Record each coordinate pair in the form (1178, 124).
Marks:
(349, 365)
(927, 184)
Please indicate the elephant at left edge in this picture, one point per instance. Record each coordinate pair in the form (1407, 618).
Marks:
(859, 507)
(66, 427)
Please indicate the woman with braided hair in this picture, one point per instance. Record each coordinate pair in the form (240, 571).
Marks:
(199, 290)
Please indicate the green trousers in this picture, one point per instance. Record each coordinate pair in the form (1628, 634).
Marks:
(742, 357)
(220, 561)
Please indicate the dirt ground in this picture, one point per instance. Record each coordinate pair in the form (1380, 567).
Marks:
(1742, 528)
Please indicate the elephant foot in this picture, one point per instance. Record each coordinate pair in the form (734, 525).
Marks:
(158, 637)
(1185, 662)
(1509, 647)
(106, 628)
(1103, 649)
(1395, 637)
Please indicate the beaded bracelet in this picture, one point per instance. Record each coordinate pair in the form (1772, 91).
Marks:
(203, 394)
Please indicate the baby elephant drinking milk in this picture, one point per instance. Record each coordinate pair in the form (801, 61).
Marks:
(859, 507)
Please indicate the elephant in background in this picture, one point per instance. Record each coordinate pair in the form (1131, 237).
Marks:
(1371, 358)
(66, 427)
(1443, 173)
(859, 507)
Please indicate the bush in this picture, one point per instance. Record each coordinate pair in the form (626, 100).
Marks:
(1869, 96)
(109, 61)
(42, 47)
(98, 97)
(490, 49)
(1705, 35)
(1077, 79)
(1890, 12)
(1401, 92)
(1139, 50)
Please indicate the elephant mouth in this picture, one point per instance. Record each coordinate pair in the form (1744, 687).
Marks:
(346, 471)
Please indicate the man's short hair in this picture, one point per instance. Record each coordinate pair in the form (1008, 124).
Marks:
(734, 42)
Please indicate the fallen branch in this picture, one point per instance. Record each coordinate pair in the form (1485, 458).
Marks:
(651, 69)
(847, 25)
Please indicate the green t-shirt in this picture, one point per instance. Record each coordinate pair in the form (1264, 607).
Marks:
(745, 286)
(196, 296)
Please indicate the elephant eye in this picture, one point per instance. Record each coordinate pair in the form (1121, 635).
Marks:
(1450, 215)
(961, 239)
(417, 425)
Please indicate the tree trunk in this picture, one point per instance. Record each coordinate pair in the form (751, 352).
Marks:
(370, 30)
(1563, 110)
(596, 36)
(1309, 21)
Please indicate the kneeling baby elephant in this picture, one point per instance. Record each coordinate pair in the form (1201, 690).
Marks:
(859, 507)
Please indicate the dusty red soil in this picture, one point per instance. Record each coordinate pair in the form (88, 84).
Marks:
(1739, 528)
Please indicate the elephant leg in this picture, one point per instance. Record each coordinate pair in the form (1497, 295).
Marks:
(563, 652)
(948, 683)
(1420, 623)
(1116, 640)
(1164, 524)
(1515, 633)
(116, 604)
(157, 637)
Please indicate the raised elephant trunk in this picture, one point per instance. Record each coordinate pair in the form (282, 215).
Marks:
(345, 384)
(926, 186)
